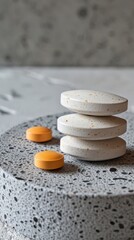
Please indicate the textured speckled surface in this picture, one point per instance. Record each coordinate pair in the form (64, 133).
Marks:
(79, 201)
(7, 233)
(67, 33)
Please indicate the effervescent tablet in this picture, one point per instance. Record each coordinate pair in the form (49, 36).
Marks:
(93, 150)
(94, 103)
(91, 127)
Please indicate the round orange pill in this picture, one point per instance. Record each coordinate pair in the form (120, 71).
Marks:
(39, 134)
(49, 160)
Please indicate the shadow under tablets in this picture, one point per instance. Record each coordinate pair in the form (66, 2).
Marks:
(68, 168)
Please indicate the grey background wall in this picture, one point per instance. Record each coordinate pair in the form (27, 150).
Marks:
(67, 32)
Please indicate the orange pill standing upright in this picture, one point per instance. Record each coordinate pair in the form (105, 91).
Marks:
(49, 160)
(38, 134)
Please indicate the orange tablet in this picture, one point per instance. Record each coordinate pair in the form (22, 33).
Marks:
(49, 160)
(38, 134)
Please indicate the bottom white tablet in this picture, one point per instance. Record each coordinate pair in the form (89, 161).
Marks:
(93, 150)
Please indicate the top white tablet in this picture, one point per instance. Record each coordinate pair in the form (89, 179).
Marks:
(93, 103)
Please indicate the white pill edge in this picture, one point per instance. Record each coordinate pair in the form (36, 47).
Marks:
(91, 133)
(93, 155)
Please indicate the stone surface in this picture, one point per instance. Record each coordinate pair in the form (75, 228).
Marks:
(7, 233)
(66, 33)
(79, 201)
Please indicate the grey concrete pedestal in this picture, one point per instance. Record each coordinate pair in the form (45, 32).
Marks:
(83, 200)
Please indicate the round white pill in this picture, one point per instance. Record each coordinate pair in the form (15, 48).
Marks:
(93, 102)
(93, 150)
(91, 127)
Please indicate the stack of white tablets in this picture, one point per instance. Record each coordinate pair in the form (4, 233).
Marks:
(92, 132)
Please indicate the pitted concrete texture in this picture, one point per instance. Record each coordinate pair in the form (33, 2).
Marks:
(83, 200)
(7, 233)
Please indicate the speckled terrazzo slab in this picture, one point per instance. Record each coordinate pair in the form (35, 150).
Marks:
(80, 201)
